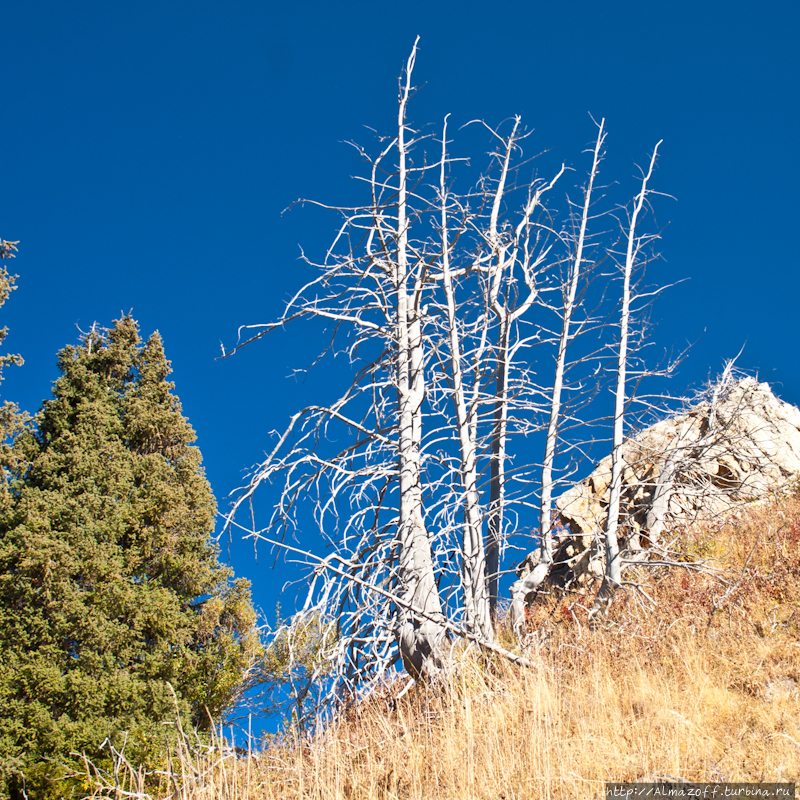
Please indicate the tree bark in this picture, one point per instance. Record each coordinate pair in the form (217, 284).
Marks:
(418, 638)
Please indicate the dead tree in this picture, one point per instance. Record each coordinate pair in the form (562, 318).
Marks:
(411, 476)
(612, 578)
(533, 581)
(474, 564)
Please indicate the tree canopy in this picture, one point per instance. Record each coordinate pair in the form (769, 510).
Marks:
(115, 612)
(12, 420)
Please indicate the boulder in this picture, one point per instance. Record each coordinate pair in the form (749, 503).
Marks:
(737, 444)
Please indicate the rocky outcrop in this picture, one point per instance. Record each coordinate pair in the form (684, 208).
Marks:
(738, 444)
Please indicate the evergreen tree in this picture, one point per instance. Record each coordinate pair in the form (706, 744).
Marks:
(12, 420)
(111, 592)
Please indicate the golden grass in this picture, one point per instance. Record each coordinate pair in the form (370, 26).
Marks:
(698, 688)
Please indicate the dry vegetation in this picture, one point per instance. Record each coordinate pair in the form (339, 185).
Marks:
(706, 687)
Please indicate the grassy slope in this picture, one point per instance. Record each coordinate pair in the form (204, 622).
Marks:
(683, 690)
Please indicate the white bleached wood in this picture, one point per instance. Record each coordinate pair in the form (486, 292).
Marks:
(612, 579)
(522, 588)
(474, 586)
(411, 477)
(418, 638)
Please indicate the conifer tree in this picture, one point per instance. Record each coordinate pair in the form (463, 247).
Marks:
(12, 420)
(111, 592)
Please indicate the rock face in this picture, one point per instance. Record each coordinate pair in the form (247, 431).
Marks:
(738, 444)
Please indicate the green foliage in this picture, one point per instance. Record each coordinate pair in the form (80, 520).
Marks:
(12, 420)
(7, 285)
(111, 592)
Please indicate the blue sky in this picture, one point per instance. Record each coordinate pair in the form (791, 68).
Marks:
(148, 149)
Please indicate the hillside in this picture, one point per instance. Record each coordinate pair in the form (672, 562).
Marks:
(703, 685)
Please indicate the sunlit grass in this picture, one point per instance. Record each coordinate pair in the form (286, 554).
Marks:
(699, 688)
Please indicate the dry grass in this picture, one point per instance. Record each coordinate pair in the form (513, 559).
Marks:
(701, 688)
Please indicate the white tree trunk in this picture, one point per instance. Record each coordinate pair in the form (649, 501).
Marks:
(522, 588)
(475, 590)
(612, 579)
(418, 639)
(500, 422)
